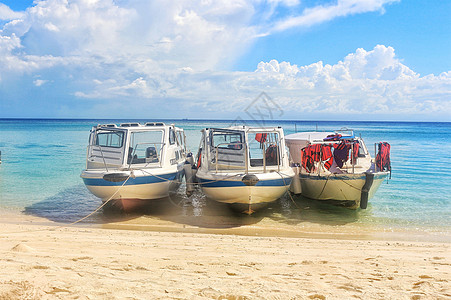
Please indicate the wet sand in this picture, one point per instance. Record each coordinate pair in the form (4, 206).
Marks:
(167, 257)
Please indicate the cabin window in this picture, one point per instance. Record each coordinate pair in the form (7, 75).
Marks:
(145, 147)
(114, 139)
(264, 149)
(227, 149)
(171, 136)
(227, 140)
(180, 138)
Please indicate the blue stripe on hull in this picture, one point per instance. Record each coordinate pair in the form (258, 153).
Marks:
(134, 181)
(238, 183)
(362, 176)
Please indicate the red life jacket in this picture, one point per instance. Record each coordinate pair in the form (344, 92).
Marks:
(326, 156)
(315, 153)
(383, 157)
(261, 137)
(355, 150)
(307, 160)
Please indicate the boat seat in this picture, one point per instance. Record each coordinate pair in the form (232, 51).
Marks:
(151, 155)
(256, 162)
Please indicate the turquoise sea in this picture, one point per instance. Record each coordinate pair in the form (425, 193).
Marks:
(42, 160)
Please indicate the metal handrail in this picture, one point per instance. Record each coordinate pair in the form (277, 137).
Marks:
(101, 152)
(246, 152)
(245, 155)
(277, 144)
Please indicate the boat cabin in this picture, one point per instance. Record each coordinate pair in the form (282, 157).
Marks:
(135, 145)
(241, 147)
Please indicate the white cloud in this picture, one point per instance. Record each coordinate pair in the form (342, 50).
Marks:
(323, 13)
(39, 82)
(7, 14)
(364, 82)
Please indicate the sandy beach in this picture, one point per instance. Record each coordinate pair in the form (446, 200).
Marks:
(166, 260)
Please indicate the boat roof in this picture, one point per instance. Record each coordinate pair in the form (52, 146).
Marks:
(308, 136)
(135, 125)
(318, 136)
(247, 128)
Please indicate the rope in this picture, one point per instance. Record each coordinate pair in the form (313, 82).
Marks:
(103, 204)
(325, 183)
(288, 191)
(77, 221)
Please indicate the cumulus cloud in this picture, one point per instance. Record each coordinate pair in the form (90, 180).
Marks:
(8, 14)
(370, 82)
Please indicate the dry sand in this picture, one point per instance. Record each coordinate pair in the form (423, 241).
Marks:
(173, 261)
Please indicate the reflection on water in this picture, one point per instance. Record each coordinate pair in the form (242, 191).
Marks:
(76, 203)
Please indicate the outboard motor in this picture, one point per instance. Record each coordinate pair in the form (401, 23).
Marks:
(295, 186)
(189, 174)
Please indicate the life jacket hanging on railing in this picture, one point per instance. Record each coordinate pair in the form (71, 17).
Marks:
(355, 150)
(271, 155)
(261, 138)
(326, 156)
(332, 137)
(315, 153)
(307, 159)
(383, 162)
(341, 153)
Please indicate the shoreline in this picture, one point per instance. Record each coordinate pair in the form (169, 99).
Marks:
(111, 261)
(244, 226)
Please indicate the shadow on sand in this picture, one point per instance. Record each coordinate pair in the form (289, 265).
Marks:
(76, 203)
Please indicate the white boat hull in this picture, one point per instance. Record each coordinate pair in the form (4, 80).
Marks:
(138, 186)
(230, 189)
(339, 187)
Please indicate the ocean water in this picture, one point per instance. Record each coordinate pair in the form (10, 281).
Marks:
(42, 161)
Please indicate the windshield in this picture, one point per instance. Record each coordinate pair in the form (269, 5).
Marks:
(114, 139)
(145, 147)
(227, 140)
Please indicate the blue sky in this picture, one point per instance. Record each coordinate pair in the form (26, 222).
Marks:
(325, 60)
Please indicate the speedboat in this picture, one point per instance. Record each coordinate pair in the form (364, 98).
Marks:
(337, 167)
(132, 163)
(243, 166)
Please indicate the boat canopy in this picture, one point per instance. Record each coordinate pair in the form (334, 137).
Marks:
(241, 147)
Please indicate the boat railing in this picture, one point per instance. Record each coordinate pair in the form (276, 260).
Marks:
(345, 130)
(247, 164)
(232, 146)
(90, 156)
(352, 155)
(264, 147)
